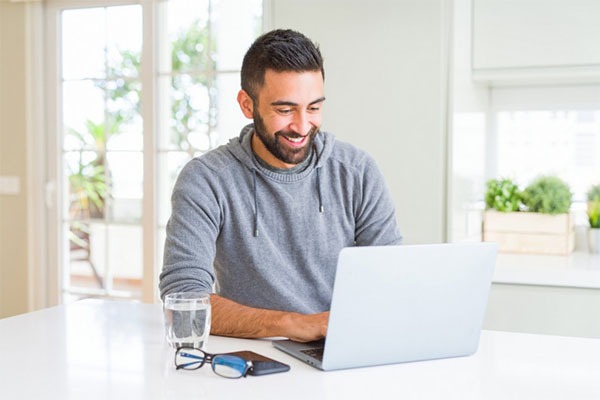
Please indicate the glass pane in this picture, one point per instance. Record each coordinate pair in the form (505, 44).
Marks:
(564, 143)
(125, 121)
(128, 136)
(124, 40)
(235, 24)
(188, 36)
(468, 180)
(169, 166)
(125, 257)
(126, 210)
(126, 170)
(189, 114)
(87, 246)
(88, 186)
(230, 119)
(83, 115)
(83, 43)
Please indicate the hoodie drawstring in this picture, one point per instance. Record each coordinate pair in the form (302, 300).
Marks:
(318, 168)
(319, 190)
(255, 205)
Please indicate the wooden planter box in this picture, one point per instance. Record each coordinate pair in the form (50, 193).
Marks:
(533, 233)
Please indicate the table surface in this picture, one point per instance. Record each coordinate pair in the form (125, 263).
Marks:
(100, 349)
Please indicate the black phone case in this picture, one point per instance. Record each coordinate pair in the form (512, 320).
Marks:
(262, 365)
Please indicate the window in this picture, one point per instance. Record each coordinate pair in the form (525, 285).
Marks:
(140, 89)
(102, 143)
(548, 131)
(525, 132)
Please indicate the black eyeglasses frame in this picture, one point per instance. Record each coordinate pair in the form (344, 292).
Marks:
(209, 358)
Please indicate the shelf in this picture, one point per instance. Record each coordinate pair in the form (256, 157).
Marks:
(579, 270)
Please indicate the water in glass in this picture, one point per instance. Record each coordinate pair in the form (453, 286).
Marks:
(187, 321)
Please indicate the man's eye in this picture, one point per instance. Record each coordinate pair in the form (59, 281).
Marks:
(284, 111)
(314, 109)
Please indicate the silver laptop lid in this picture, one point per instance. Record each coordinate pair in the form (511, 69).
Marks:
(406, 303)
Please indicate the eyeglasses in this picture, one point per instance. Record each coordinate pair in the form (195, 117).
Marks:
(225, 365)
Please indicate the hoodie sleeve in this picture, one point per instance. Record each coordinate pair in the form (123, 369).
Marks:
(375, 213)
(192, 230)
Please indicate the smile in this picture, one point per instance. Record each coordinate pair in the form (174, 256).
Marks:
(296, 141)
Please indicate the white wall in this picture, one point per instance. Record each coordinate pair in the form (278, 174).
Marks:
(385, 82)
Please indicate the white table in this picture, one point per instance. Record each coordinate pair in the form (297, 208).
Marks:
(116, 350)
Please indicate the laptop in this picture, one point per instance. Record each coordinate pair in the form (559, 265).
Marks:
(396, 304)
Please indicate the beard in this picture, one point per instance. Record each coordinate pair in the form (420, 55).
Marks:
(280, 150)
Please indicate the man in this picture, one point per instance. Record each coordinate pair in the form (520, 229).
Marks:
(265, 216)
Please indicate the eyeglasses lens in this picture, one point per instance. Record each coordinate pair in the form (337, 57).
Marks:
(188, 358)
(229, 366)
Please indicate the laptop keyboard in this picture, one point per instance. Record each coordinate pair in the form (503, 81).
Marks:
(315, 353)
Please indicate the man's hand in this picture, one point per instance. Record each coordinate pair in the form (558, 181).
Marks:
(233, 319)
(307, 327)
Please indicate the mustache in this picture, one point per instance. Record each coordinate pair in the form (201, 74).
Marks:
(295, 135)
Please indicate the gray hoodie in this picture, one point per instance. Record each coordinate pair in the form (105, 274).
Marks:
(271, 240)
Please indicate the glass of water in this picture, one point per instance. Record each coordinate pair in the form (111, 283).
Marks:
(187, 319)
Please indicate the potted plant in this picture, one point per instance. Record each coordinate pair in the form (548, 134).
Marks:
(540, 221)
(502, 195)
(593, 213)
(548, 195)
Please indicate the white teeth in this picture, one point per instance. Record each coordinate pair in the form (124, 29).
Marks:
(296, 139)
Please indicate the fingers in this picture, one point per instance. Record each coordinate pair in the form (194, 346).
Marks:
(309, 327)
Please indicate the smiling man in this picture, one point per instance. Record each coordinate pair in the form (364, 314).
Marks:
(263, 219)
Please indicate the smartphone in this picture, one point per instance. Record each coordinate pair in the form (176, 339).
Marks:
(262, 365)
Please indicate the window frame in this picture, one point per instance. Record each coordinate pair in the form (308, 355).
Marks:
(54, 192)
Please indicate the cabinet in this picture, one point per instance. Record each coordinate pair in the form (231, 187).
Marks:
(526, 40)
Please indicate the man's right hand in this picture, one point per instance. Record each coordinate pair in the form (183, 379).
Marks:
(307, 327)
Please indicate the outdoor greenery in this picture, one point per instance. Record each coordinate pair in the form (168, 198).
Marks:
(502, 195)
(190, 56)
(593, 207)
(548, 195)
(90, 180)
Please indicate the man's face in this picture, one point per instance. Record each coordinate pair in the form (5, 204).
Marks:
(287, 117)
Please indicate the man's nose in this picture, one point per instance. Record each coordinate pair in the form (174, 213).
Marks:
(301, 123)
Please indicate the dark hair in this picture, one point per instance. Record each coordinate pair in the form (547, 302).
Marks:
(280, 50)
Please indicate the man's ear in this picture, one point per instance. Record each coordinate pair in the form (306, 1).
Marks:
(246, 103)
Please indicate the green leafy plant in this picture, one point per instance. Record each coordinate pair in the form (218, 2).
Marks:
(88, 191)
(502, 195)
(548, 195)
(593, 208)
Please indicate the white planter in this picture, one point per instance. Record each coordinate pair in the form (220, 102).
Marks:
(532, 233)
(594, 240)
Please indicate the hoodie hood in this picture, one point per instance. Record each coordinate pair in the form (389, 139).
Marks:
(241, 148)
